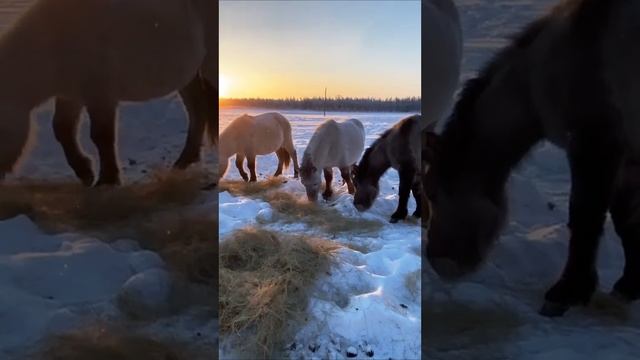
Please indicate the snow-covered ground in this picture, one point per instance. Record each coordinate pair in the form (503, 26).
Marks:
(55, 283)
(364, 303)
(493, 314)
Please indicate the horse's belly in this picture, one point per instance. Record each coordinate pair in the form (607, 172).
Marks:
(265, 140)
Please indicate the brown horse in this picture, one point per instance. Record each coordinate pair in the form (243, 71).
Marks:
(572, 78)
(398, 148)
(249, 136)
(72, 50)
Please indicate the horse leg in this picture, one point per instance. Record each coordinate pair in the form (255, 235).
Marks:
(407, 174)
(194, 99)
(594, 159)
(416, 189)
(281, 161)
(66, 120)
(345, 172)
(625, 213)
(240, 166)
(103, 134)
(328, 180)
(251, 161)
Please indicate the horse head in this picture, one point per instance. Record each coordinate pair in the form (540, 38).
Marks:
(311, 179)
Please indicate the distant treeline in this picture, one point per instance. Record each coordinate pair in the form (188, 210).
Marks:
(410, 104)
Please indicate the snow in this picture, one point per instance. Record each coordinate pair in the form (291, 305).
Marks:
(364, 304)
(493, 313)
(57, 283)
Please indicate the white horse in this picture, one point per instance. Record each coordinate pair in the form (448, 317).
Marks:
(95, 54)
(441, 58)
(333, 144)
(249, 136)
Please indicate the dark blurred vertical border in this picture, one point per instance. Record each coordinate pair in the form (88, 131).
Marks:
(215, 14)
(424, 219)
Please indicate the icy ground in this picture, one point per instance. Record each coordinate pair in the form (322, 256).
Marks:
(493, 314)
(55, 283)
(364, 304)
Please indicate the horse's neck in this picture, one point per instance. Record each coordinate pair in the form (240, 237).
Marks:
(325, 139)
(379, 161)
(483, 144)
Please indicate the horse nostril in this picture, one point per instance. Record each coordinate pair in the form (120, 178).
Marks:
(447, 268)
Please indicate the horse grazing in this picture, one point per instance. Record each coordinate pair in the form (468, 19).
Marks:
(249, 136)
(572, 78)
(398, 148)
(441, 58)
(71, 50)
(333, 144)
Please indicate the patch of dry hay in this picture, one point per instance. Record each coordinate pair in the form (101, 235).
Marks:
(148, 211)
(108, 343)
(243, 188)
(68, 206)
(329, 220)
(264, 282)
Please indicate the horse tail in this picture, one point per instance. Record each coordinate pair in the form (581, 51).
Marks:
(285, 156)
(211, 126)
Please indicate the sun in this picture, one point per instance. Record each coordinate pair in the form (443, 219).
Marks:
(223, 85)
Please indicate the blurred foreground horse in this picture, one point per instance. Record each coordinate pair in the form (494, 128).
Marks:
(572, 78)
(96, 54)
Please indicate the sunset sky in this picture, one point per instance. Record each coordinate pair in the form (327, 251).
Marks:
(277, 49)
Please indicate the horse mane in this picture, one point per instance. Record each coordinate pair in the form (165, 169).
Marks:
(460, 128)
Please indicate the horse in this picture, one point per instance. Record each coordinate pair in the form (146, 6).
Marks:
(441, 58)
(570, 77)
(399, 148)
(333, 144)
(70, 50)
(248, 136)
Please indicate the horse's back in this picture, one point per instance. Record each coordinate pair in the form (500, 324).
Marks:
(128, 50)
(262, 134)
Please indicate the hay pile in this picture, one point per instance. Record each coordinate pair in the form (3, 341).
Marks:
(111, 343)
(243, 188)
(265, 278)
(149, 212)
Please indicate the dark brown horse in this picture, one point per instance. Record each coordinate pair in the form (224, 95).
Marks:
(398, 148)
(570, 77)
(156, 49)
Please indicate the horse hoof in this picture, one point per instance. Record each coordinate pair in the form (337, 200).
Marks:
(551, 309)
(394, 220)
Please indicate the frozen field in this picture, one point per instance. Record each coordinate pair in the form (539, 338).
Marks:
(375, 308)
(493, 314)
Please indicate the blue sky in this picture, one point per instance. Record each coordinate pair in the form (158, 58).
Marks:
(296, 48)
